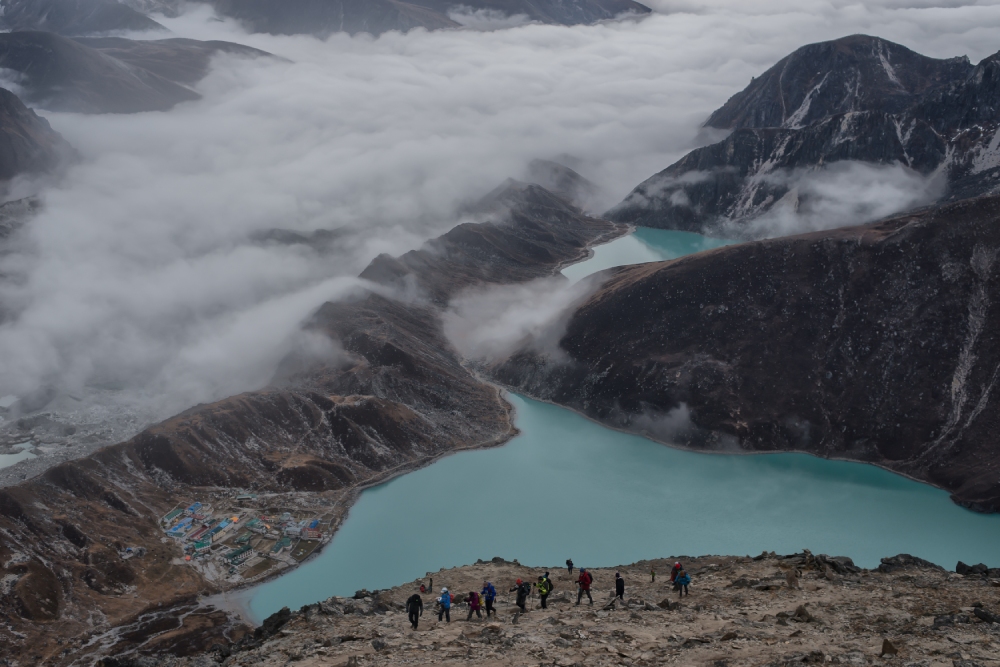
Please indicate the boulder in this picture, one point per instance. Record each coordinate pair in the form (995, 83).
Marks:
(888, 648)
(985, 615)
(906, 562)
(977, 570)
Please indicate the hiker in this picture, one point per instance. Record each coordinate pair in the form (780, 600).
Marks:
(544, 588)
(445, 601)
(652, 576)
(490, 595)
(474, 605)
(619, 587)
(415, 608)
(674, 571)
(569, 566)
(523, 591)
(681, 583)
(584, 582)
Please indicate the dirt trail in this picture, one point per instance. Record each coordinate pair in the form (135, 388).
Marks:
(770, 611)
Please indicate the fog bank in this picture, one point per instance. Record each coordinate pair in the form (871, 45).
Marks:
(141, 277)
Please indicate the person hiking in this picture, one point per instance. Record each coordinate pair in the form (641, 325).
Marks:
(569, 566)
(523, 591)
(583, 582)
(652, 576)
(681, 583)
(415, 608)
(619, 587)
(445, 602)
(544, 588)
(474, 605)
(489, 594)
(674, 571)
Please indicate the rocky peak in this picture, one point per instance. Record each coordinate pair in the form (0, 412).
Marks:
(856, 73)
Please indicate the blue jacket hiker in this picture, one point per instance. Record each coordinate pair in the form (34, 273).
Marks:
(681, 583)
(445, 602)
(489, 594)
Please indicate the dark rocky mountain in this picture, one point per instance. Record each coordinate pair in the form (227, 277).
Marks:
(546, 11)
(858, 98)
(817, 81)
(396, 398)
(324, 17)
(565, 182)
(73, 17)
(522, 247)
(28, 144)
(875, 343)
(109, 75)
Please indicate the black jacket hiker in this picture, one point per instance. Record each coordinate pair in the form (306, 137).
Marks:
(619, 587)
(415, 609)
(523, 591)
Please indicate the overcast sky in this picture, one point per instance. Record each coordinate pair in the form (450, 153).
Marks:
(139, 274)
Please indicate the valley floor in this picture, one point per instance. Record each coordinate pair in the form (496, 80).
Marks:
(772, 610)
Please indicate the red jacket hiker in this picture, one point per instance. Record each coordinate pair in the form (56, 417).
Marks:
(584, 583)
(674, 571)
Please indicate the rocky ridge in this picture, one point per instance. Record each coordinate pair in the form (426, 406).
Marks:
(28, 144)
(396, 398)
(858, 98)
(109, 75)
(289, 17)
(73, 17)
(874, 343)
(764, 611)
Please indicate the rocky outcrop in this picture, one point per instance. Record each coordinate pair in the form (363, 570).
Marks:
(871, 343)
(854, 99)
(396, 397)
(109, 75)
(918, 616)
(73, 17)
(28, 144)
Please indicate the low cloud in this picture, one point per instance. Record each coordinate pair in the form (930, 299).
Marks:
(141, 276)
(486, 19)
(838, 195)
(490, 324)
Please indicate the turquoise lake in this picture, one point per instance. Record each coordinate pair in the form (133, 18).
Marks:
(643, 245)
(570, 488)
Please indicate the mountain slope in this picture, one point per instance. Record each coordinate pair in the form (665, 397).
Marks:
(875, 343)
(856, 73)
(858, 99)
(324, 17)
(109, 75)
(73, 17)
(394, 397)
(28, 144)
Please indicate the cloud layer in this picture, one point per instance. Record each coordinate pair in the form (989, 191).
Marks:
(141, 273)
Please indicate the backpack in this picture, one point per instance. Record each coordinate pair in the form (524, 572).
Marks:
(545, 587)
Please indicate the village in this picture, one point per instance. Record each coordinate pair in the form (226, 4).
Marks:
(241, 539)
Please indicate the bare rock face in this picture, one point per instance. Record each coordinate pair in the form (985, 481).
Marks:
(28, 144)
(73, 17)
(931, 116)
(109, 75)
(871, 343)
